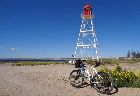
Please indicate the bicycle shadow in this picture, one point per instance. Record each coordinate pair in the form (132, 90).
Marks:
(85, 84)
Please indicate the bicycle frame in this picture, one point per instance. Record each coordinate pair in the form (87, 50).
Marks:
(90, 76)
(94, 72)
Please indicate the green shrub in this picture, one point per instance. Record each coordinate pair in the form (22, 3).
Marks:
(136, 84)
(118, 68)
(123, 78)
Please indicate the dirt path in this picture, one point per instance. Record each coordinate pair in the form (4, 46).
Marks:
(49, 80)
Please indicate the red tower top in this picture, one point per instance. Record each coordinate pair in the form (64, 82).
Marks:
(88, 9)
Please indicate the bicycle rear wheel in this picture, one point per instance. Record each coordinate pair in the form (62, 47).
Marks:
(103, 82)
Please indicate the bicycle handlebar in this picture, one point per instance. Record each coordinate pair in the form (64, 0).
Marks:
(97, 63)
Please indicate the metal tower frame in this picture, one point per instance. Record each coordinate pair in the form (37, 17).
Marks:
(87, 45)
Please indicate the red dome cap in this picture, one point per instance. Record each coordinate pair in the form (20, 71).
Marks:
(88, 6)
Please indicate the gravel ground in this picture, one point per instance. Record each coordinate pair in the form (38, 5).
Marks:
(49, 80)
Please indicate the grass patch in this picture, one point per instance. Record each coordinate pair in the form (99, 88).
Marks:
(103, 61)
(2, 62)
(35, 63)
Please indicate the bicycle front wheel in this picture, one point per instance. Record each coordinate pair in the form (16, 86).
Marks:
(75, 78)
(103, 82)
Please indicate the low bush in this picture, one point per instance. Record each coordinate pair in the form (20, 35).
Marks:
(123, 78)
(136, 84)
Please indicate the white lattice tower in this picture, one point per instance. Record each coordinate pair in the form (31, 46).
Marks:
(87, 45)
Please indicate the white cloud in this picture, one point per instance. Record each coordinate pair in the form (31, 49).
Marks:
(12, 49)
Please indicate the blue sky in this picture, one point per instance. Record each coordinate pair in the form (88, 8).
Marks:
(50, 28)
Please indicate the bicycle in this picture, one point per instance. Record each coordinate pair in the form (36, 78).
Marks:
(101, 81)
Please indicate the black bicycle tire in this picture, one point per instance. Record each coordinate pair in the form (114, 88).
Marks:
(111, 80)
(78, 76)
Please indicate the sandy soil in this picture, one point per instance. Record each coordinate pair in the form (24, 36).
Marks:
(49, 80)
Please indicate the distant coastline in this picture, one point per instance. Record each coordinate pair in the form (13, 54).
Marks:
(34, 59)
